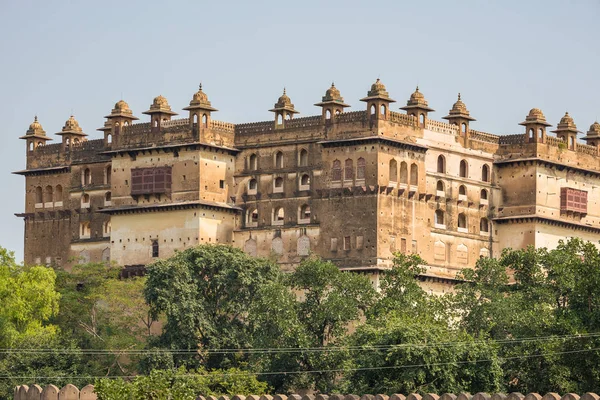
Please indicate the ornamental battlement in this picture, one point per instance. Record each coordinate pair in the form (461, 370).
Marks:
(350, 186)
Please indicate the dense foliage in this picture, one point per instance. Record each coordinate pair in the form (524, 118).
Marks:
(230, 323)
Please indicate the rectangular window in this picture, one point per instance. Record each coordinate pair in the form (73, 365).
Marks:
(222, 184)
(155, 180)
(346, 243)
(573, 200)
(334, 244)
(155, 248)
(403, 245)
(360, 242)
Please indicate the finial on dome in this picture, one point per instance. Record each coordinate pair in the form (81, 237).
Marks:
(459, 95)
(200, 86)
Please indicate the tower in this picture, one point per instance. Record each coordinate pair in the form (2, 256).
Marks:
(417, 107)
(35, 136)
(71, 133)
(200, 109)
(332, 104)
(119, 117)
(283, 109)
(460, 116)
(159, 111)
(535, 126)
(593, 135)
(378, 102)
(567, 131)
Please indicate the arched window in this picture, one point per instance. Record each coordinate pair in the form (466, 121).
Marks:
(404, 173)
(86, 177)
(156, 123)
(462, 221)
(30, 146)
(531, 133)
(58, 194)
(422, 119)
(328, 114)
(107, 175)
(361, 168)
(40, 144)
(85, 201)
(464, 127)
(440, 186)
(464, 169)
(393, 171)
(383, 109)
(304, 213)
(441, 164)
(348, 170)
(414, 175)
(109, 138)
(278, 183)
(279, 159)
(252, 185)
(85, 230)
(252, 217)
(484, 225)
(107, 198)
(373, 109)
(195, 119)
(48, 194)
(279, 119)
(253, 162)
(303, 158)
(204, 120)
(571, 142)
(336, 171)
(38, 195)
(439, 218)
(305, 180)
(462, 190)
(106, 228)
(541, 133)
(484, 194)
(279, 215)
(485, 173)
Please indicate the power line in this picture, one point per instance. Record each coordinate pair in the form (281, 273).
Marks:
(275, 350)
(312, 371)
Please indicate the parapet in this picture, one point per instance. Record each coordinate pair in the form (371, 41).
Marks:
(70, 392)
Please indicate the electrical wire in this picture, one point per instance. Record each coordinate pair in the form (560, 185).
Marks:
(312, 371)
(274, 350)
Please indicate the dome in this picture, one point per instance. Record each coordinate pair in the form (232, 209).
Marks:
(594, 129)
(333, 93)
(160, 105)
(417, 96)
(417, 101)
(200, 101)
(459, 110)
(121, 109)
(160, 101)
(284, 103)
(378, 90)
(36, 128)
(535, 116)
(72, 126)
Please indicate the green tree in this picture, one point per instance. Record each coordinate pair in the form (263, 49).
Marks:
(205, 293)
(100, 311)
(408, 344)
(309, 311)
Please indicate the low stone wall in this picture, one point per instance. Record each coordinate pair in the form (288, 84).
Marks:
(51, 392)
(71, 392)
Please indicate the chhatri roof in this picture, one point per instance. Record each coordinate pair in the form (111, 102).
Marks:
(535, 116)
(459, 110)
(121, 109)
(72, 127)
(160, 105)
(332, 96)
(284, 103)
(378, 91)
(200, 101)
(417, 101)
(35, 130)
(566, 124)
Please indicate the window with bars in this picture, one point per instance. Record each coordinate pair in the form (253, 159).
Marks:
(573, 200)
(155, 180)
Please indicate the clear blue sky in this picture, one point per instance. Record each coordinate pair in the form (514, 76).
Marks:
(505, 57)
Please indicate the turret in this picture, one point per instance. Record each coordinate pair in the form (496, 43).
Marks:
(535, 126)
(71, 133)
(159, 111)
(593, 135)
(119, 117)
(332, 104)
(417, 107)
(200, 109)
(567, 131)
(35, 136)
(460, 116)
(378, 102)
(283, 109)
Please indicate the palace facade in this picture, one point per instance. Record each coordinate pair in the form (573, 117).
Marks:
(352, 187)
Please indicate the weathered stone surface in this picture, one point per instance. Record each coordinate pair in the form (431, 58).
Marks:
(87, 393)
(50, 392)
(69, 392)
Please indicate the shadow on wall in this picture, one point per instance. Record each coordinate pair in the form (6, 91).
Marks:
(70, 392)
